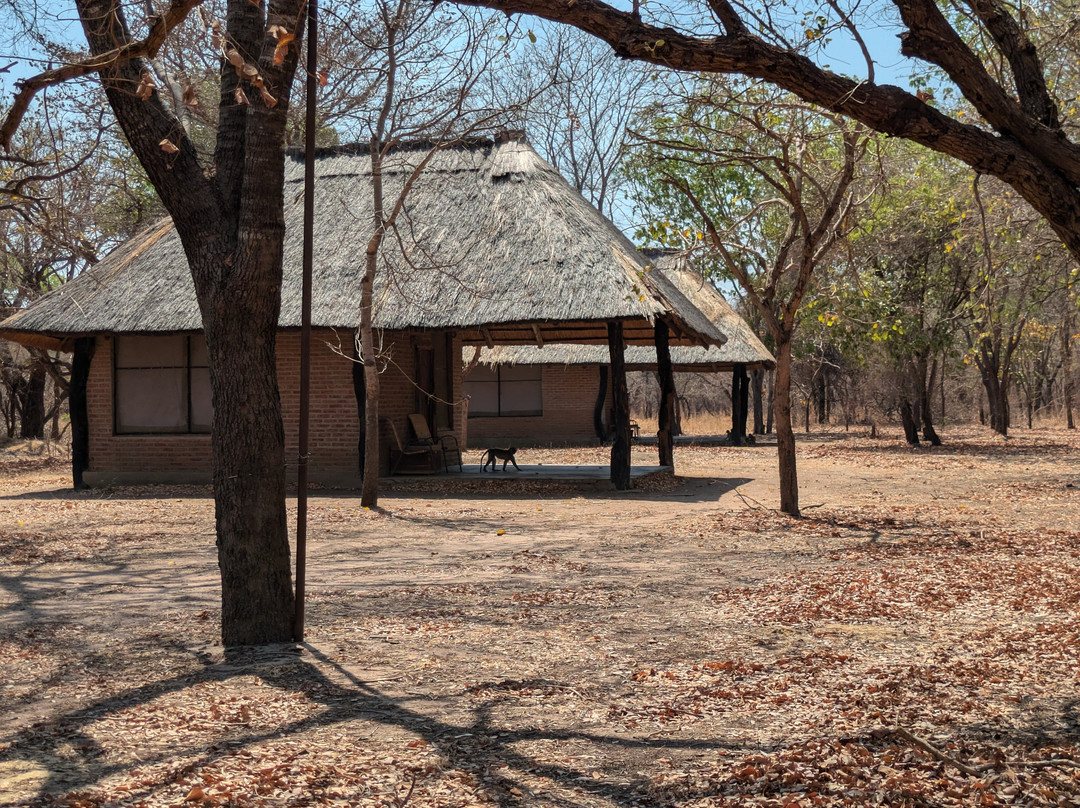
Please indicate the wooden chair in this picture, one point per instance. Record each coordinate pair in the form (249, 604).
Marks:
(424, 455)
(448, 444)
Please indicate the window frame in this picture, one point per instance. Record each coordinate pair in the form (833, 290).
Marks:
(186, 367)
(499, 381)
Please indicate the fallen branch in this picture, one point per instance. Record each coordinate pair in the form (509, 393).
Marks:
(926, 746)
(160, 28)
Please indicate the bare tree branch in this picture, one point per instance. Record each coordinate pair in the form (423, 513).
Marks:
(28, 88)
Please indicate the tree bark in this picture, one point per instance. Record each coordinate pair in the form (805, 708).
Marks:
(924, 381)
(620, 444)
(82, 356)
(369, 493)
(360, 394)
(248, 450)
(666, 413)
(907, 418)
(785, 433)
(230, 220)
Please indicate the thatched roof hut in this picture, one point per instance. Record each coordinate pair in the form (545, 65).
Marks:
(742, 347)
(494, 244)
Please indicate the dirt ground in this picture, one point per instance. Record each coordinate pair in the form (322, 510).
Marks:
(914, 640)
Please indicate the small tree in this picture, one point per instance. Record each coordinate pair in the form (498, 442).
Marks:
(766, 184)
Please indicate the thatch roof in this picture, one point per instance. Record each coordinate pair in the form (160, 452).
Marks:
(494, 243)
(742, 346)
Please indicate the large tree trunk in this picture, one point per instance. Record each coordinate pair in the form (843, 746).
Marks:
(620, 444)
(248, 448)
(785, 433)
(229, 216)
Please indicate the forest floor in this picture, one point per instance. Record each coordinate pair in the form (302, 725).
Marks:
(913, 640)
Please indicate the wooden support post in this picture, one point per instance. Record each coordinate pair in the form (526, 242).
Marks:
(740, 400)
(620, 444)
(666, 416)
(80, 416)
(598, 408)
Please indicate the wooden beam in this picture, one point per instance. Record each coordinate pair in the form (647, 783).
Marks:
(82, 356)
(666, 416)
(620, 444)
(740, 387)
(598, 408)
(486, 332)
(536, 333)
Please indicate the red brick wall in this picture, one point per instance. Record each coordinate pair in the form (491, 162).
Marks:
(334, 425)
(569, 396)
(133, 453)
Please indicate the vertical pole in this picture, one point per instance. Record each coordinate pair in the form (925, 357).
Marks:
(305, 320)
(80, 416)
(739, 404)
(744, 400)
(620, 445)
(598, 408)
(666, 416)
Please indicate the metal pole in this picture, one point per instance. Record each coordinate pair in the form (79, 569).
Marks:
(305, 320)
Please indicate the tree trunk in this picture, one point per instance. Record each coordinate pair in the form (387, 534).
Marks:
(360, 395)
(924, 384)
(907, 418)
(770, 409)
(666, 413)
(32, 404)
(785, 433)
(229, 217)
(1067, 368)
(81, 358)
(58, 397)
(369, 494)
(819, 394)
(248, 448)
(757, 384)
(996, 401)
(620, 444)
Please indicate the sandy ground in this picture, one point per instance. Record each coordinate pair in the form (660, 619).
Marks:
(681, 646)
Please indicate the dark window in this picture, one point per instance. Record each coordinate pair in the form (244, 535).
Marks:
(505, 391)
(162, 385)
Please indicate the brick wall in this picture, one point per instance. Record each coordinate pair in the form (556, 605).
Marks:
(569, 396)
(334, 425)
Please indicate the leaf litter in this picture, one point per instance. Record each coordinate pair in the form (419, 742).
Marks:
(661, 648)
